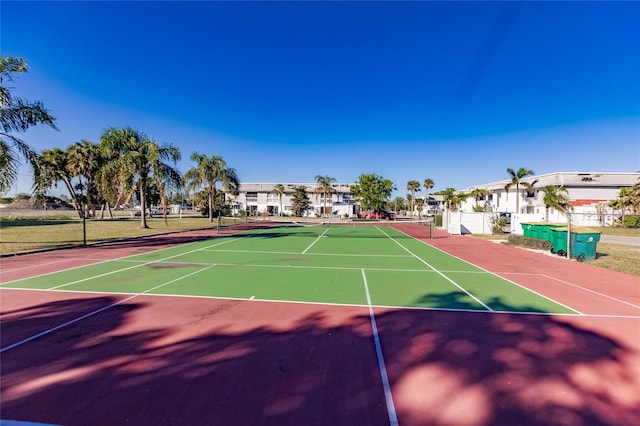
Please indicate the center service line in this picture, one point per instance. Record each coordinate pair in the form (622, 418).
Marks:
(391, 409)
(315, 241)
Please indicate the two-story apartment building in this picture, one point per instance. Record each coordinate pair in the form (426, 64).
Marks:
(260, 198)
(585, 190)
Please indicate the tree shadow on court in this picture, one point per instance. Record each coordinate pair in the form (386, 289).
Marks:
(451, 300)
(229, 362)
(459, 300)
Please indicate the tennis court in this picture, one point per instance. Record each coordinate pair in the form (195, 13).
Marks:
(284, 323)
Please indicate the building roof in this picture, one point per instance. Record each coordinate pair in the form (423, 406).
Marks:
(571, 180)
(268, 187)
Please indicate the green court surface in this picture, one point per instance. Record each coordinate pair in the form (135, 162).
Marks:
(337, 264)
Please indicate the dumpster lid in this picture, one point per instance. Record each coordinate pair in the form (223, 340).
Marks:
(577, 230)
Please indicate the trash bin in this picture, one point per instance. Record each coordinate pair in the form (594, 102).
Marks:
(540, 231)
(559, 241)
(533, 229)
(526, 229)
(584, 244)
(544, 231)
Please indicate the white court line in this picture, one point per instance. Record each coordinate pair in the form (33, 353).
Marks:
(308, 254)
(35, 266)
(100, 261)
(391, 409)
(590, 291)
(97, 311)
(298, 302)
(136, 266)
(435, 270)
(316, 240)
(496, 275)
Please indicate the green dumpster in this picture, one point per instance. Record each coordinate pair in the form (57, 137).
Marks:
(583, 242)
(526, 229)
(544, 231)
(540, 231)
(559, 241)
(533, 229)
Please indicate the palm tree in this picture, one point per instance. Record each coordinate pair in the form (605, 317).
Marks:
(624, 200)
(135, 155)
(516, 179)
(634, 196)
(452, 198)
(300, 200)
(413, 186)
(165, 178)
(419, 205)
(478, 194)
(398, 204)
(428, 184)
(279, 191)
(17, 115)
(84, 159)
(114, 189)
(459, 198)
(601, 211)
(556, 197)
(53, 166)
(208, 173)
(324, 187)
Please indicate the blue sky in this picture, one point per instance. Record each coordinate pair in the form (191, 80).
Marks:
(284, 91)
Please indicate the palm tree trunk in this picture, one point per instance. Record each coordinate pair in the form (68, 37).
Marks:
(163, 202)
(212, 202)
(74, 198)
(90, 209)
(143, 202)
(325, 205)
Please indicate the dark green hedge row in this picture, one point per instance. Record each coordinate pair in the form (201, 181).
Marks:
(519, 240)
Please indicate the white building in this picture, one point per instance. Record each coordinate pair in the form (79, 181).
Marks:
(260, 198)
(585, 189)
(589, 193)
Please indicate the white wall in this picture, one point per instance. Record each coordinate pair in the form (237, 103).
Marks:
(459, 222)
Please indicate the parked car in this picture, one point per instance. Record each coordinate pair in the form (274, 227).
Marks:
(386, 214)
(506, 217)
(380, 214)
(156, 210)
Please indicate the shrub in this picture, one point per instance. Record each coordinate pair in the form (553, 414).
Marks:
(631, 221)
(521, 241)
(497, 224)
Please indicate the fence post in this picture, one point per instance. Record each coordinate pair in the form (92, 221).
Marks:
(569, 235)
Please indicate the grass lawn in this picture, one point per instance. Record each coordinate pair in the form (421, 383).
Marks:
(20, 234)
